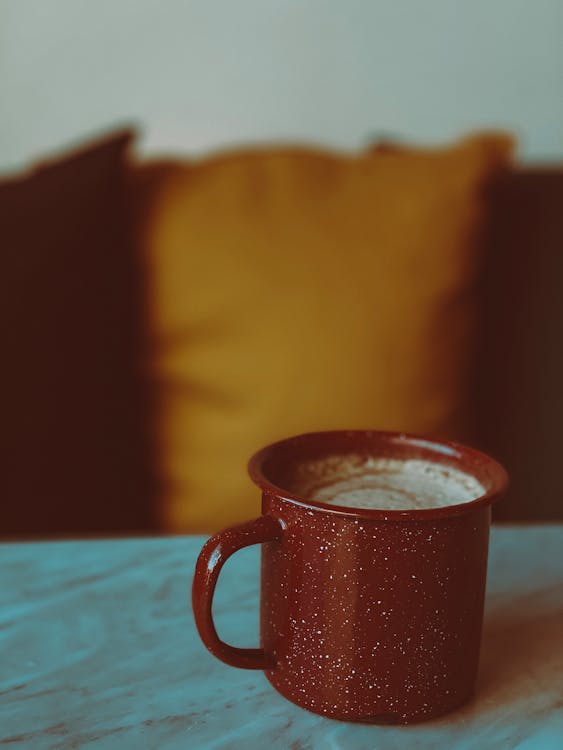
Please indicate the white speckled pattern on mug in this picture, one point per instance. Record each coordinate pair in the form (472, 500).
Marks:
(373, 620)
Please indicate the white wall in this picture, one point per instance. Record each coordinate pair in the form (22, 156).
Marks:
(198, 74)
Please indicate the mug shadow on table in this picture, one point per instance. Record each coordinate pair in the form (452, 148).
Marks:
(521, 656)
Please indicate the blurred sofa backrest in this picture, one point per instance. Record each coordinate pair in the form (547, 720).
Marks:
(80, 450)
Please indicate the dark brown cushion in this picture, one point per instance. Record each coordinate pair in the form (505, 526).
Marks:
(520, 373)
(73, 437)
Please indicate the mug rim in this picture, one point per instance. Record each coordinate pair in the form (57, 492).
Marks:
(465, 455)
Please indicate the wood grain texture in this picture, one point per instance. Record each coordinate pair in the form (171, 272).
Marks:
(99, 650)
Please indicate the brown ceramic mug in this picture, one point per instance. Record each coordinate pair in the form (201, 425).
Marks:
(366, 615)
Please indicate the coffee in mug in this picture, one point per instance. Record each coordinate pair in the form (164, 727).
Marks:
(356, 481)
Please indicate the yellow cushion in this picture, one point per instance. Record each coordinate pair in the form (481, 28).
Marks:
(294, 290)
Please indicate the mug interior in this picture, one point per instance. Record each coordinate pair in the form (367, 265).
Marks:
(282, 468)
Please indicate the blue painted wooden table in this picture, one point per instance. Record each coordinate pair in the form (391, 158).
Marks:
(98, 650)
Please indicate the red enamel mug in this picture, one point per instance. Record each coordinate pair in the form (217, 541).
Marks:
(365, 615)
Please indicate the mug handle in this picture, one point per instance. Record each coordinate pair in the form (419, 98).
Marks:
(209, 563)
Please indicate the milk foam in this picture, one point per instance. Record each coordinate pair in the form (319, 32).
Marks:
(385, 483)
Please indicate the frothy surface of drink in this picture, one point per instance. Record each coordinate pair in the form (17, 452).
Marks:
(385, 483)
